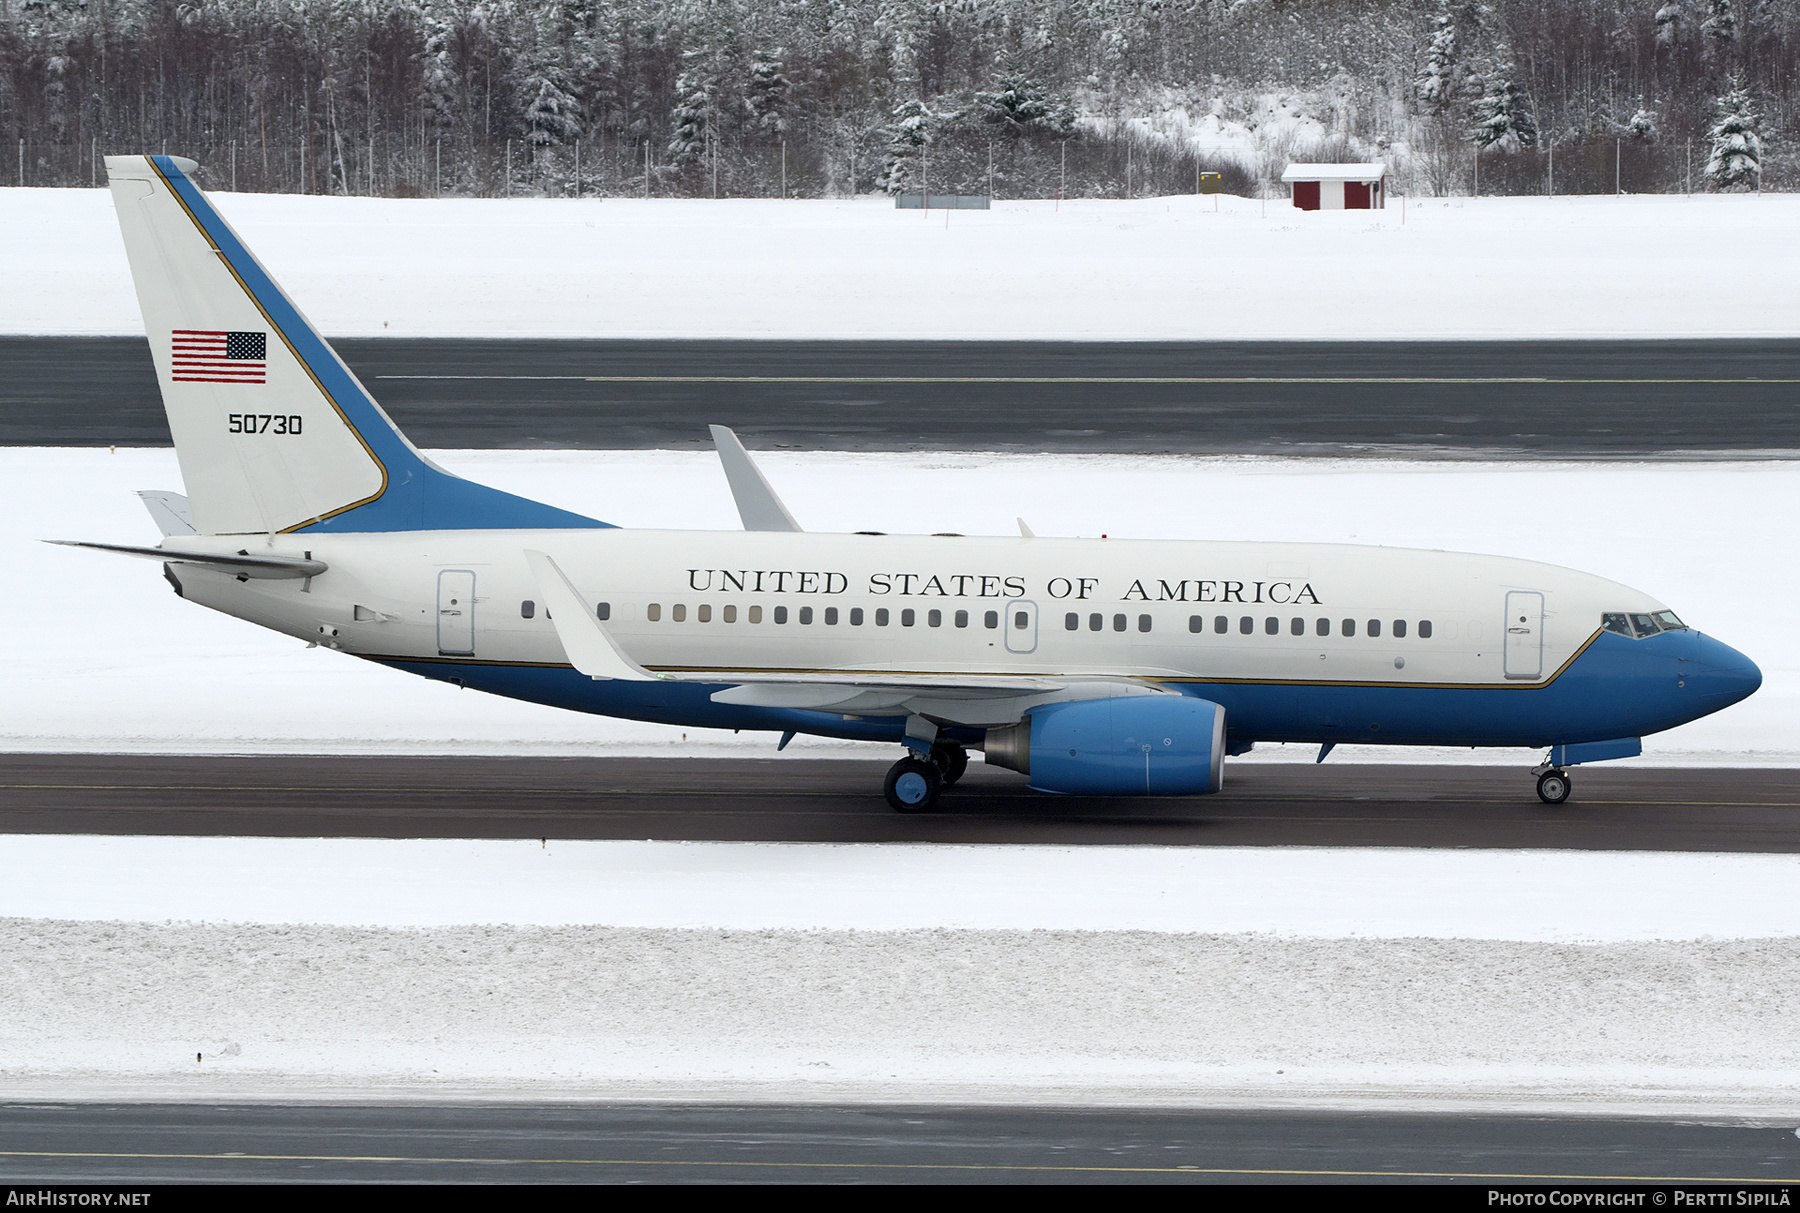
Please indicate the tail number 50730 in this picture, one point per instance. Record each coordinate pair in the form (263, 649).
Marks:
(263, 423)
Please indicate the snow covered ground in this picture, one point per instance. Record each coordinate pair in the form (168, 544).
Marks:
(101, 656)
(1165, 268)
(370, 969)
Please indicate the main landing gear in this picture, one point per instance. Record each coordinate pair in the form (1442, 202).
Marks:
(1554, 786)
(913, 784)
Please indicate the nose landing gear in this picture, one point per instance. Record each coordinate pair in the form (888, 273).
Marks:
(1553, 786)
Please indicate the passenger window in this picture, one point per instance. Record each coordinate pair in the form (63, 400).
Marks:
(1143, 623)
(1400, 629)
(962, 619)
(1118, 623)
(907, 617)
(1374, 627)
(881, 617)
(527, 609)
(831, 617)
(603, 610)
(1349, 627)
(1096, 622)
(806, 614)
(1022, 620)
(730, 614)
(1196, 623)
(653, 612)
(755, 614)
(1246, 625)
(1323, 627)
(1297, 626)
(1424, 629)
(781, 614)
(1272, 626)
(703, 613)
(1072, 622)
(991, 619)
(856, 617)
(934, 619)
(1221, 625)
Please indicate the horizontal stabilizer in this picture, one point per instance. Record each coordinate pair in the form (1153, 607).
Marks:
(585, 640)
(241, 564)
(169, 511)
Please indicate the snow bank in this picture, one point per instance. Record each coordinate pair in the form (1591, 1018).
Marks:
(1162, 268)
(337, 968)
(100, 655)
(109, 1010)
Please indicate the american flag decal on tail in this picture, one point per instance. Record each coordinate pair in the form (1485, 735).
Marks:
(211, 356)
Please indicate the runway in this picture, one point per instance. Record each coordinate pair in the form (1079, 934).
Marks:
(807, 800)
(1497, 399)
(663, 1144)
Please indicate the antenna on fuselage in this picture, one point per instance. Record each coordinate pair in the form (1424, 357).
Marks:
(757, 503)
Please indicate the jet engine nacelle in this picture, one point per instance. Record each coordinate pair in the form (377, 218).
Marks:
(1136, 745)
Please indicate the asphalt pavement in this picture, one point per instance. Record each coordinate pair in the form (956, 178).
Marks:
(672, 1144)
(813, 800)
(1457, 399)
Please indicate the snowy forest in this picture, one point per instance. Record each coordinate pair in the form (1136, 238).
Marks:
(827, 98)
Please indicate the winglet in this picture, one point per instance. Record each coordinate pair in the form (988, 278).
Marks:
(1025, 532)
(169, 511)
(757, 503)
(589, 646)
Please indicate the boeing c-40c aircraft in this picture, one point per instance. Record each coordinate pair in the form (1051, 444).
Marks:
(1110, 668)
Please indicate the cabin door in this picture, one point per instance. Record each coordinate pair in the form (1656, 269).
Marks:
(456, 612)
(1524, 632)
(1020, 623)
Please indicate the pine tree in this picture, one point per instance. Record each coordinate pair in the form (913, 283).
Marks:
(1503, 114)
(1021, 104)
(692, 115)
(1436, 83)
(1720, 27)
(1670, 22)
(553, 116)
(909, 130)
(1642, 127)
(1735, 158)
(767, 98)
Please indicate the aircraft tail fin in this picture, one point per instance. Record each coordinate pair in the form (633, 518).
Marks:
(273, 431)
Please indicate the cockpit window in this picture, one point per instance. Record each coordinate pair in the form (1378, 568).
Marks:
(1638, 626)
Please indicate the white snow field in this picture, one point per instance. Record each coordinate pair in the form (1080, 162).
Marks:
(335, 969)
(101, 655)
(1165, 268)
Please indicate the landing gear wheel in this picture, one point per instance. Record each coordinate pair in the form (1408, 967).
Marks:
(952, 761)
(1554, 787)
(913, 785)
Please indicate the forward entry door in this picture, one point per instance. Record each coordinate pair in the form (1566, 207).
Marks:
(1524, 634)
(456, 613)
(1020, 622)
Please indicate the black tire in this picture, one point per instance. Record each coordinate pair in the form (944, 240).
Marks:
(912, 785)
(1554, 787)
(952, 761)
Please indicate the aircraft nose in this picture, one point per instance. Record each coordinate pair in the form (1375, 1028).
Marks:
(1724, 674)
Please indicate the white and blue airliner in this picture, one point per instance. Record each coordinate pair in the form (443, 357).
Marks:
(1094, 667)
